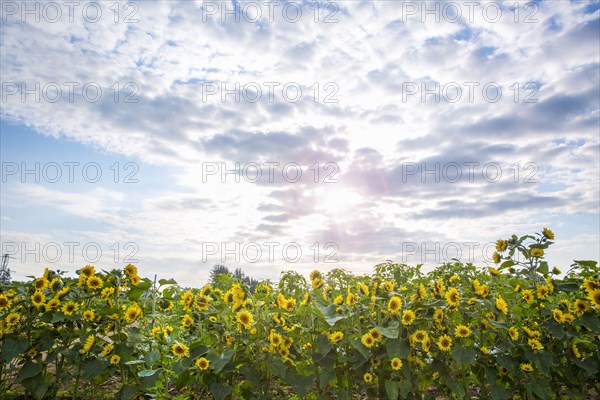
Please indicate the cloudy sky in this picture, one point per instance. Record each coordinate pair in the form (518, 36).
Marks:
(295, 135)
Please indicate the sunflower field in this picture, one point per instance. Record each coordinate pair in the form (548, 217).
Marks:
(522, 330)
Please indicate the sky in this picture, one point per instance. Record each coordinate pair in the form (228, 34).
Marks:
(300, 135)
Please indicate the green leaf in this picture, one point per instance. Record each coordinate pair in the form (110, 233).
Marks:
(167, 282)
(397, 348)
(147, 372)
(556, 330)
(542, 389)
(405, 388)
(589, 364)
(152, 357)
(29, 370)
(507, 263)
(360, 348)
(392, 388)
(220, 391)
(277, 368)
(590, 321)
(587, 263)
(135, 293)
(543, 268)
(57, 317)
(457, 387)
(217, 362)
(92, 369)
(499, 393)
(391, 331)
(329, 313)
(464, 355)
(13, 348)
(324, 346)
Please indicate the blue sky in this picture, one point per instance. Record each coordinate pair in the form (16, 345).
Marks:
(386, 101)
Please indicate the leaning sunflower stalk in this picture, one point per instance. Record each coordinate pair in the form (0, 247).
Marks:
(518, 330)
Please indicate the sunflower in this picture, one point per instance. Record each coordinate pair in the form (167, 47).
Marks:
(513, 333)
(130, 270)
(133, 312)
(167, 330)
(496, 258)
(501, 305)
(350, 299)
(187, 321)
(395, 304)
(13, 319)
(5, 302)
(40, 284)
(589, 285)
(180, 350)
(284, 352)
(70, 307)
(367, 377)
(135, 280)
(536, 252)
(535, 344)
(165, 305)
(375, 334)
(423, 291)
(88, 315)
(367, 340)
(575, 350)
(106, 349)
(581, 306)
(444, 342)
(115, 359)
(275, 339)
(87, 271)
(594, 296)
(202, 303)
(453, 297)
(542, 292)
(202, 363)
(558, 316)
(463, 331)
(94, 282)
(315, 274)
(38, 299)
(485, 350)
(408, 317)
(53, 304)
(245, 318)
(336, 337)
(526, 367)
(155, 331)
(501, 245)
(389, 286)
(438, 316)
(89, 342)
(527, 296)
(420, 336)
(548, 233)
(317, 283)
(396, 363)
(493, 271)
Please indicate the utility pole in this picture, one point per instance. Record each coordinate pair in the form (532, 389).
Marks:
(4, 270)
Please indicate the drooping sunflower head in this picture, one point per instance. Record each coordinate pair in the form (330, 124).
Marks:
(5, 302)
(548, 233)
(513, 333)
